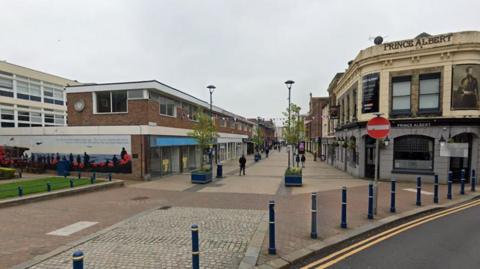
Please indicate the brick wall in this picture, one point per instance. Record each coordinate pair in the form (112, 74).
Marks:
(140, 112)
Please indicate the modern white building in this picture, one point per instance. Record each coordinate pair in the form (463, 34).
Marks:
(30, 98)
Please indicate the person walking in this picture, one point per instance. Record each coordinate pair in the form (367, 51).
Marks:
(303, 160)
(242, 161)
(297, 160)
(267, 151)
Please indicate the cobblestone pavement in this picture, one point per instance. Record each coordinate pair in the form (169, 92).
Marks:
(162, 239)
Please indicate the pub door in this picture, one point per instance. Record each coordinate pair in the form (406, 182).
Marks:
(459, 163)
(369, 157)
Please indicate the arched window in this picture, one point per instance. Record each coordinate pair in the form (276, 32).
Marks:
(413, 152)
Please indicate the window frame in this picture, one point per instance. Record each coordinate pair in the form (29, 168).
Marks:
(397, 79)
(413, 170)
(427, 76)
(95, 111)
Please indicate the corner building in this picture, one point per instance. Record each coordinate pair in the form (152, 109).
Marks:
(428, 88)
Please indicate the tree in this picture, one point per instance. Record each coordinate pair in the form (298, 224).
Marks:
(204, 131)
(258, 138)
(294, 126)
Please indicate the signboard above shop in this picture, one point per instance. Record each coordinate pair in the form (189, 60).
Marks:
(454, 150)
(370, 93)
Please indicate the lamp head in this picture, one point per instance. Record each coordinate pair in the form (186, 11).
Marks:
(211, 88)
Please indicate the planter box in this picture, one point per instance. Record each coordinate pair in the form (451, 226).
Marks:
(293, 180)
(201, 177)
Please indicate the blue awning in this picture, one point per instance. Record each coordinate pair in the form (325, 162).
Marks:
(168, 141)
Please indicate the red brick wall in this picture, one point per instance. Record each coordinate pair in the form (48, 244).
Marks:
(140, 112)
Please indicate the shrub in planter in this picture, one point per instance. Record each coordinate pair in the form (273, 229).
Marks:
(7, 173)
(201, 176)
(293, 176)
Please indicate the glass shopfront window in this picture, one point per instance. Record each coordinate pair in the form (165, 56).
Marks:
(413, 152)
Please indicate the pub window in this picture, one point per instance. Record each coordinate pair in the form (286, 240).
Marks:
(111, 102)
(401, 89)
(413, 152)
(429, 94)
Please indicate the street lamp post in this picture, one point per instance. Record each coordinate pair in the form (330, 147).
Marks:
(211, 88)
(289, 84)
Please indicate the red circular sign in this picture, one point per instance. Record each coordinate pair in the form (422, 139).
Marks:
(378, 127)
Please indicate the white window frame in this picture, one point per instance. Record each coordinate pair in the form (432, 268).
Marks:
(94, 98)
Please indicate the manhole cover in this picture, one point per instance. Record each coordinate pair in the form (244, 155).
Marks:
(139, 198)
(165, 207)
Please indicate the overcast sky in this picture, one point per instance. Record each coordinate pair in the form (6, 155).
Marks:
(246, 48)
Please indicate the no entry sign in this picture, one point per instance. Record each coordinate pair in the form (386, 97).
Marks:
(378, 127)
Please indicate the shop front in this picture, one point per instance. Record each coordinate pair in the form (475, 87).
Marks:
(170, 154)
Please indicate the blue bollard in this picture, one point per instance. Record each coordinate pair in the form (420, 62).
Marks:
(94, 175)
(92, 180)
(419, 191)
(392, 197)
(71, 183)
(77, 259)
(20, 191)
(195, 248)
(370, 201)
(109, 176)
(79, 175)
(343, 224)
(435, 189)
(49, 186)
(313, 233)
(462, 182)
(219, 170)
(474, 181)
(271, 229)
(449, 189)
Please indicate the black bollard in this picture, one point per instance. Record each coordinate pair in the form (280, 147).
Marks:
(92, 180)
(474, 181)
(79, 174)
(94, 175)
(109, 176)
(435, 189)
(20, 191)
(449, 188)
(343, 224)
(462, 182)
(71, 183)
(271, 230)
(77, 259)
(49, 186)
(419, 191)
(370, 201)
(195, 248)
(313, 233)
(392, 196)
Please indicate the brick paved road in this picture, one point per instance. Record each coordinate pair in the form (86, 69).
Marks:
(162, 239)
(24, 227)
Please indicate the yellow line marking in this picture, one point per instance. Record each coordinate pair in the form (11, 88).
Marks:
(382, 234)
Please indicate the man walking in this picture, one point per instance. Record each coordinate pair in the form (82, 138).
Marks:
(267, 150)
(297, 160)
(242, 161)
(303, 160)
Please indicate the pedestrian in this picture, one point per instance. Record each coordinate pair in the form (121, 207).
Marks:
(267, 151)
(297, 159)
(303, 160)
(242, 161)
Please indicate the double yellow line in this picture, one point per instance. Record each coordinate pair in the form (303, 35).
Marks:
(340, 255)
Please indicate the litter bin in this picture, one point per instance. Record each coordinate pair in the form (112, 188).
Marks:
(219, 170)
(63, 168)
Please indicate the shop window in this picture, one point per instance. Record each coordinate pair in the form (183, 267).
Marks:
(413, 152)
(111, 102)
(429, 94)
(401, 90)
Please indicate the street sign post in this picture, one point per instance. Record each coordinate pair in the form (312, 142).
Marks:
(377, 128)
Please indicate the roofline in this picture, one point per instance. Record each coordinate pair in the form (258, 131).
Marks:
(35, 70)
(204, 103)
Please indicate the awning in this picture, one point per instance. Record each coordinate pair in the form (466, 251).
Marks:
(168, 141)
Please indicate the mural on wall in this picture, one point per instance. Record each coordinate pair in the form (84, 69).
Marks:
(465, 94)
(102, 153)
